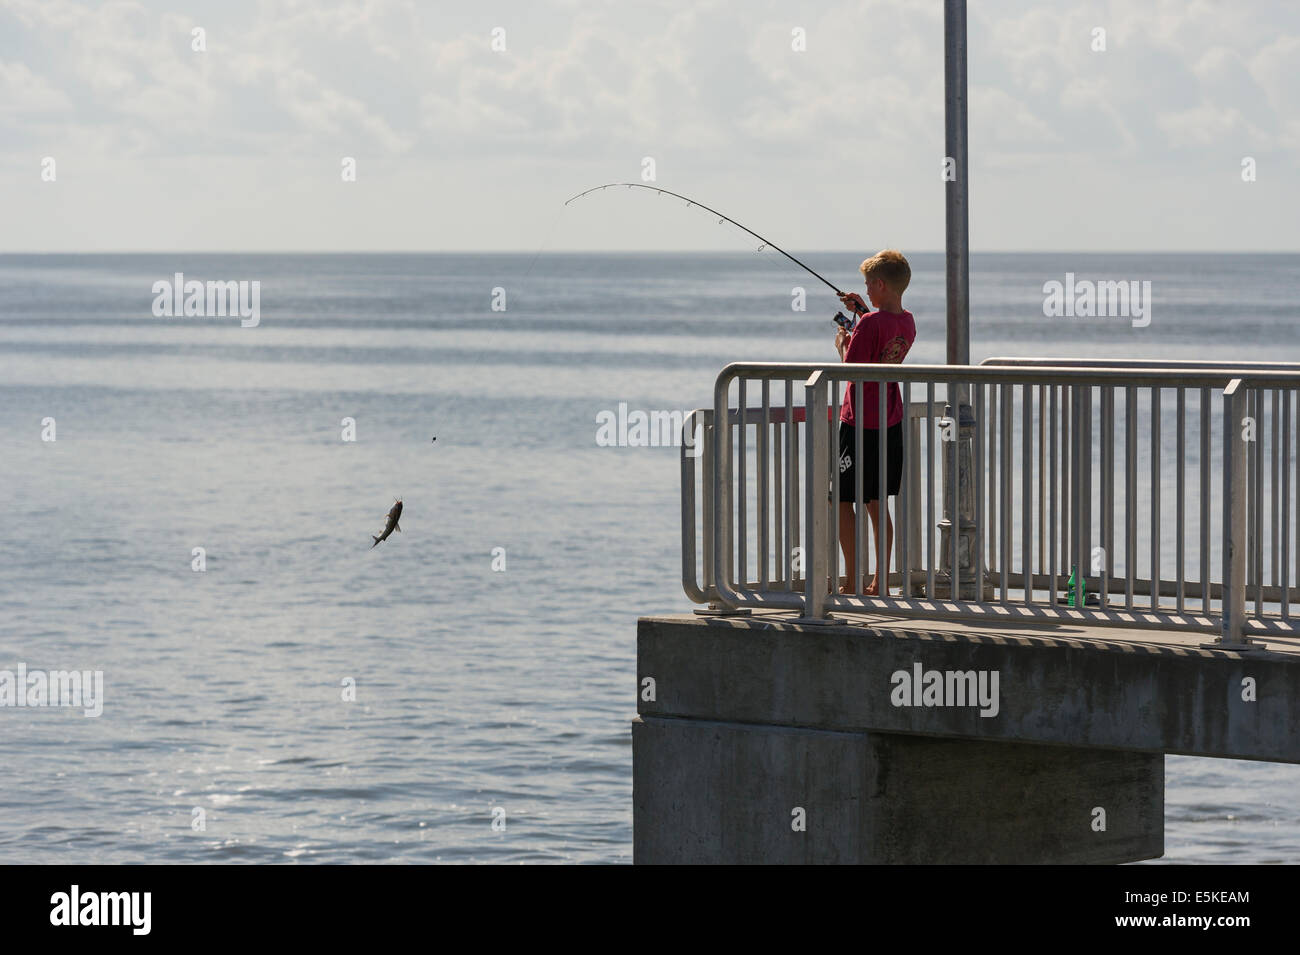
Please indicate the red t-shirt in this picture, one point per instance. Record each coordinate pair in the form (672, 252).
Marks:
(878, 338)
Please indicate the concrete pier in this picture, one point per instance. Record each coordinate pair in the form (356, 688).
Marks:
(900, 741)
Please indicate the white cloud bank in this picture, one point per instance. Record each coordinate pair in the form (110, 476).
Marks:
(460, 146)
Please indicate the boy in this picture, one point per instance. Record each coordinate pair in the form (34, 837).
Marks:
(882, 336)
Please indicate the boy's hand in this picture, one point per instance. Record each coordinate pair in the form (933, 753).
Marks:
(853, 301)
(841, 342)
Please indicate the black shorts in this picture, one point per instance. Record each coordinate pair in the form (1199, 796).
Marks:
(871, 458)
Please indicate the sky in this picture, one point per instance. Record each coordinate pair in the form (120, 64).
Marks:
(1148, 125)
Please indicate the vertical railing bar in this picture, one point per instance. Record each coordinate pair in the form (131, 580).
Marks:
(1284, 564)
(1130, 493)
(1257, 524)
(794, 485)
(1076, 488)
(763, 511)
(1085, 471)
(859, 473)
(742, 495)
(705, 447)
(1042, 478)
(903, 536)
(1248, 496)
(929, 490)
(1027, 489)
(977, 448)
(995, 487)
(1155, 497)
(1004, 488)
(833, 469)
(915, 505)
(859, 581)
(1070, 478)
(1273, 539)
(995, 417)
(1090, 459)
(882, 487)
(954, 529)
(1067, 476)
(778, 500)
(791, 495)
(1206, 421)
(1107, 493)
(1249, 491)
(725, 514)
(1052, 490)
(1181, 492)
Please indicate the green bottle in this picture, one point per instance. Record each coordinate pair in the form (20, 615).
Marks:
(1075, 599)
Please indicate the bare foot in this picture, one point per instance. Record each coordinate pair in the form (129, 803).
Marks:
(873, 588)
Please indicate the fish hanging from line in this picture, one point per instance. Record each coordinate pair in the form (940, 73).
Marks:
(394, 516)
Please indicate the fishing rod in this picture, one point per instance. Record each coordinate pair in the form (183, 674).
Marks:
(721, 219)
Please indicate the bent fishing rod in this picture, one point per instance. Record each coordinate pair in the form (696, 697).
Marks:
(721, 219)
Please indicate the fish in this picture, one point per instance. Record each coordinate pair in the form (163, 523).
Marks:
(393, 516)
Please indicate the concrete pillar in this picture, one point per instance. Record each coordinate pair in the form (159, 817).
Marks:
(730, 793)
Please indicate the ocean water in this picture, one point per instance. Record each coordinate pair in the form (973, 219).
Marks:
(490, 645)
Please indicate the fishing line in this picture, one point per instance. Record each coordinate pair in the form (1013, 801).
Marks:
(767, 243)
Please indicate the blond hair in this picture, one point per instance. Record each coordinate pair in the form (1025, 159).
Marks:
(890, 267)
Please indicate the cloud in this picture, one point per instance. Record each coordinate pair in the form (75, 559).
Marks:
(387, 78)
(23, 92)
(852, 127)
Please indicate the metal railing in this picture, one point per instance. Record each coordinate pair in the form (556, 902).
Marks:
(1130, 478)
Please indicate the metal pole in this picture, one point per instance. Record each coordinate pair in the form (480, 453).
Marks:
(956, 194)
(959, 507)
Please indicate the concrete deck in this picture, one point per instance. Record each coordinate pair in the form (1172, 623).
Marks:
(1144, 690)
